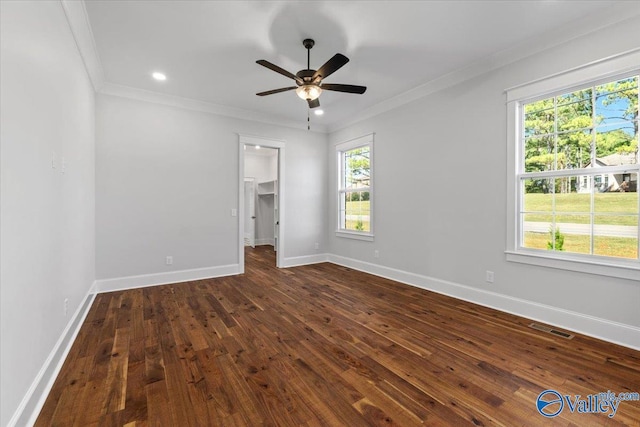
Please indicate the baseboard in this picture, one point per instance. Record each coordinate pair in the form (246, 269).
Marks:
(606, 330)
(33, 401)
(261, 242)
(145, 280)
(304, 260)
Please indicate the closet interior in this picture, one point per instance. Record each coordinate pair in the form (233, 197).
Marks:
(261, 179)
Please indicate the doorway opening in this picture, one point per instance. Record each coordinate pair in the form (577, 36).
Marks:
(261, 198)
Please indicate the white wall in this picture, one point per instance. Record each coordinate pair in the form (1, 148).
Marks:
(166, 181)
(47, 217)
(440, 190)
(261, 167)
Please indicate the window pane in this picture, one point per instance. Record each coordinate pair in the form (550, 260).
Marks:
(613, 246)
(538, 154)
(578, 96)
(615, 240)
(574, 116)
(538, 106)
(572, 231)
(618, 85)
(616, 219)
(617, 107)
(574, 149)
(538, 195)
(539, 122)
(572, 234)
(357, 210)
(356, 168)
(616, 144)
(567, 199)
(537, 215)
(618, 202)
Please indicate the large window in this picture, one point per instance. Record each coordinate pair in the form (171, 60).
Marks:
(355, 178)
(576, 173)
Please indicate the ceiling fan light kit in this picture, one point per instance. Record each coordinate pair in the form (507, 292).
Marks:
(309, 84)
(309, 92)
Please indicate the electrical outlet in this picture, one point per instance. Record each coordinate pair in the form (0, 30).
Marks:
(169, 260)
(317, 246)
(489, 276)
(376, 254)
(66, 306)
(234, 212)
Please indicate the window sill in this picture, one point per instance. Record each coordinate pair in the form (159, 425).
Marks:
(623, 269)
(356, 235)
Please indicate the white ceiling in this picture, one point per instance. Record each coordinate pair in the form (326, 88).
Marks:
(208, 49)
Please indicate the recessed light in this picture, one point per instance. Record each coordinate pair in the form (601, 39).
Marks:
(159, 76)
(318, 112)
(257, 147)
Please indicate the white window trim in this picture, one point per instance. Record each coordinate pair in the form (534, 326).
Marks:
(604, 69)
(366, 140)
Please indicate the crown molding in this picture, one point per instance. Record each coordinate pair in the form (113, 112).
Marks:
(206, 107)
(619, 12)
(78, 21)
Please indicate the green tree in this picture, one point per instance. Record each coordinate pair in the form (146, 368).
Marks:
(620, 101)
(358, 166)
(557, 240)
(559, 131)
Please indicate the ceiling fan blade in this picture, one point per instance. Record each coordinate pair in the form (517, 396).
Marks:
(277, 69)
(344, 88)
(271, 92)
(313, 104)
(331, 66)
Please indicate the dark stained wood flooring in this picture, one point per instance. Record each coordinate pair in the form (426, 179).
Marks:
(322, 345)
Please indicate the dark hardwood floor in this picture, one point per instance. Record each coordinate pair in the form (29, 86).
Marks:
(322, 345)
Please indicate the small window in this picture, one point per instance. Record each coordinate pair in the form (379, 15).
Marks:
(355, 189)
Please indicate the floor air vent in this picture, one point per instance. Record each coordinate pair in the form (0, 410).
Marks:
(549, 330)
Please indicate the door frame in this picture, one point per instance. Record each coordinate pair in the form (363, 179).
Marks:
(267, 143)
(255, 208)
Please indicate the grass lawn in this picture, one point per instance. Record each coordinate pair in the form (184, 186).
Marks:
(622, 247)
(358, 208)
(351, 225)
(619, 208)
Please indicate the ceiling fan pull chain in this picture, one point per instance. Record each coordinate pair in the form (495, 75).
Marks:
(308, 119)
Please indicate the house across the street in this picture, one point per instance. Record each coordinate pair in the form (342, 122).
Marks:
(620, 181)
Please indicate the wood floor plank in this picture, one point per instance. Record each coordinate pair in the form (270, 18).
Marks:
(322, 345)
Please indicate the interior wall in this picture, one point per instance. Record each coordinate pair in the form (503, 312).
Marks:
(261, 167)
(167, 180)
(440, 189)
(47, 232)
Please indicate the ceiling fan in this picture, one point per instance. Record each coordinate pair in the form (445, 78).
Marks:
(309, 82)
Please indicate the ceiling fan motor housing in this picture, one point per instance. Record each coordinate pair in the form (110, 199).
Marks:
(305, 75)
